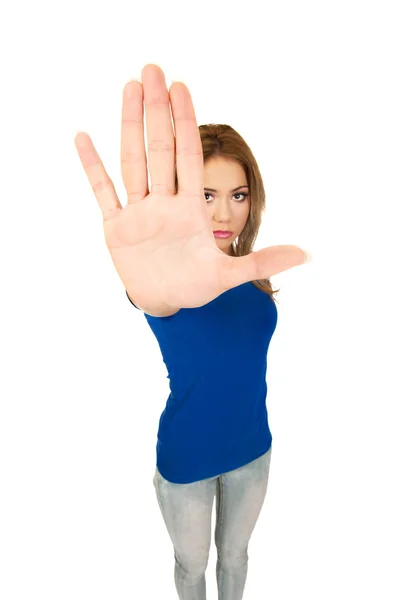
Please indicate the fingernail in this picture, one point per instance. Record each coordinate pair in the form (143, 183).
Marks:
(307, 256)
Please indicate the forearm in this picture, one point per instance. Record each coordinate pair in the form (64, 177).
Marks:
(158, 312)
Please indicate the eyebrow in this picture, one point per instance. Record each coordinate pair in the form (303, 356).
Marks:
(234, 190)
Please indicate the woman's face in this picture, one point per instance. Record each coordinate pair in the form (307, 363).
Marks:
(226, 195)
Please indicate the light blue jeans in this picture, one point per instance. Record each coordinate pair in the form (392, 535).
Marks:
(187, 508)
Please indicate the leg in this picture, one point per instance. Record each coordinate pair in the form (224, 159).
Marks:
(186, 509)
(240, 496)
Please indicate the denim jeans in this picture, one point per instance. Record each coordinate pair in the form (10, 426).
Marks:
(187, 508)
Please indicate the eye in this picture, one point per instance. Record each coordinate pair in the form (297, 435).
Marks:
(238, 194)
(242, 194)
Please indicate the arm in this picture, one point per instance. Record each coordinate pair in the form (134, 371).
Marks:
(160, 314)
(132, 302)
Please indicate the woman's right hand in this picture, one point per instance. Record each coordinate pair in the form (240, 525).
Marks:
(161, 242)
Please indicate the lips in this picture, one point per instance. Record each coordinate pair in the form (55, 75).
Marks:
(223, 234)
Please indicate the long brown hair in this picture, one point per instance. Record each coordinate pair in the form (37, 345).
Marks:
(224, 141)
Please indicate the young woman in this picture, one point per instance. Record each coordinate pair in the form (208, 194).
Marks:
(209, 302)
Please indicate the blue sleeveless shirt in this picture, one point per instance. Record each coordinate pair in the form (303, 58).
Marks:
(215, 419)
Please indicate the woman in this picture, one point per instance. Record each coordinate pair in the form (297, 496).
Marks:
(209, 303)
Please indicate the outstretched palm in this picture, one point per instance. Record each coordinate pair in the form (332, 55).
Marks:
(161, 242)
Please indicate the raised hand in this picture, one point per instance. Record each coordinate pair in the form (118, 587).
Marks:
(161, 241)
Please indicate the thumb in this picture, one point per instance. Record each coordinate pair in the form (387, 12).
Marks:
(263, 264)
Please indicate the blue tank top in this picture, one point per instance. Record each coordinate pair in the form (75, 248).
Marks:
(215, 419)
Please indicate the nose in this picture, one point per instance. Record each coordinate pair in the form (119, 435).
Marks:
(222, 212)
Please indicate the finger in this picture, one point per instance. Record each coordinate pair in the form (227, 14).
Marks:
(160, 134)
(262, 264)
(133, 153)
(99, 180)
(189, 151)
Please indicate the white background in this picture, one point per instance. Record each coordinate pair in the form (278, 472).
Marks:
(313, 87)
